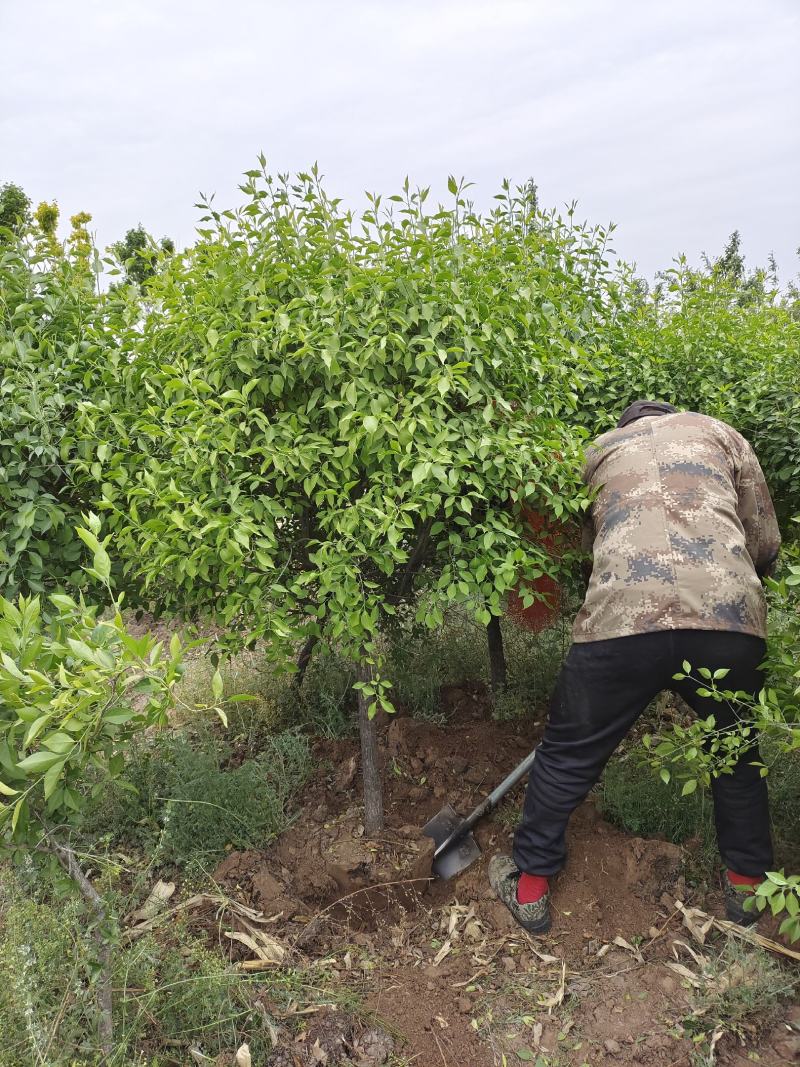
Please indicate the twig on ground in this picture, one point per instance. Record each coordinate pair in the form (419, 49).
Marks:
(438, 1045)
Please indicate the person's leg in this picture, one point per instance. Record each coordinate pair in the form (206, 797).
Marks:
(741, 806)
(603, 688)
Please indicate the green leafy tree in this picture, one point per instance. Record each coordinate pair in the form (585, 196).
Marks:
(138, 256)
(45, 309)
(708, 340)
(46, 218)
(15, 208)
(323, 416)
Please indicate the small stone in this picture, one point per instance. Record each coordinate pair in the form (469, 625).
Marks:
(464, 1005)
(473, 931)
(612, 1047)
(475, 775)
(653, 932)
(509, 964)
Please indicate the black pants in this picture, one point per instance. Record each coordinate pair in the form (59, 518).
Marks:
(603, 688)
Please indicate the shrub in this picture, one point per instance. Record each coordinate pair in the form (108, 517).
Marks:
(191, 803)
(44, 314)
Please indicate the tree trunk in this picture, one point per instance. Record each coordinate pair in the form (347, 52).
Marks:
(413, 563)
(303, 660)
(497, 656)
(105, 1016)
(370, 768)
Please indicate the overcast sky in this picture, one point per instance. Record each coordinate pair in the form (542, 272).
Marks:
(676, 119)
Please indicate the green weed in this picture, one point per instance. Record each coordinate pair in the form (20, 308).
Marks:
(168, 995)
(634, 799)
(190, 804)
(741, 990)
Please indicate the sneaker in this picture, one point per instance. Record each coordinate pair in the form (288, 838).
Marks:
(503, 878)
(735, 897)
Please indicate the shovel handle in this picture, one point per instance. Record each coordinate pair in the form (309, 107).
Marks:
(496, 795)
(489, 804)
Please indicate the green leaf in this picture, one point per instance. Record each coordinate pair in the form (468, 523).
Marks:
(419, 472)
(217, 685)
(38, 762)
(689, 787)
(777, 903)
(102, 564)
(36, 728)
(52, 777)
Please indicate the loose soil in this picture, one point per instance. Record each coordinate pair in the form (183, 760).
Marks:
(443, 974)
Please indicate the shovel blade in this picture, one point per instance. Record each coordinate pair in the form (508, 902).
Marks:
(456, 857)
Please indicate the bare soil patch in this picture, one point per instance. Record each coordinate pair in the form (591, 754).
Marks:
(446, 976)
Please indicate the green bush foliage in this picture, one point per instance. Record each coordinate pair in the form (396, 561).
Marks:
(76, 689)
(633, 799)
(45, 307)
(192, 802)
(320, 414)
(713, 340)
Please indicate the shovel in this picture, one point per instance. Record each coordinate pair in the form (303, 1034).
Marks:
(456, 848)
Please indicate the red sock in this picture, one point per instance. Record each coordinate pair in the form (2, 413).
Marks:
(744, 879)
(531, 887)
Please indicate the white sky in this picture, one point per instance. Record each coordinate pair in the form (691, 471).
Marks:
(677, 119)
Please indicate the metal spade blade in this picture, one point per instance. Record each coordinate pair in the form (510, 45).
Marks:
(459, 853)
(456, 848)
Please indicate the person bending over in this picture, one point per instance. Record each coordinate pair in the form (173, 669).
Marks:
(681, 529)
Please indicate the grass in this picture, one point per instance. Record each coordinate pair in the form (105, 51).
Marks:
(421, 662)
(190, 802)
(740, 993)
(635, 799)
(171, 990)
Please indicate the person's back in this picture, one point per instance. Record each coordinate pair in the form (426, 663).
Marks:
(682, 527)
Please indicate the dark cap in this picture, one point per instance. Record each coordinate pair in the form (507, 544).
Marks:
(642, 409)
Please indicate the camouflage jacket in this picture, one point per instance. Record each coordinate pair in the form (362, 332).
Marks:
(680, 530)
